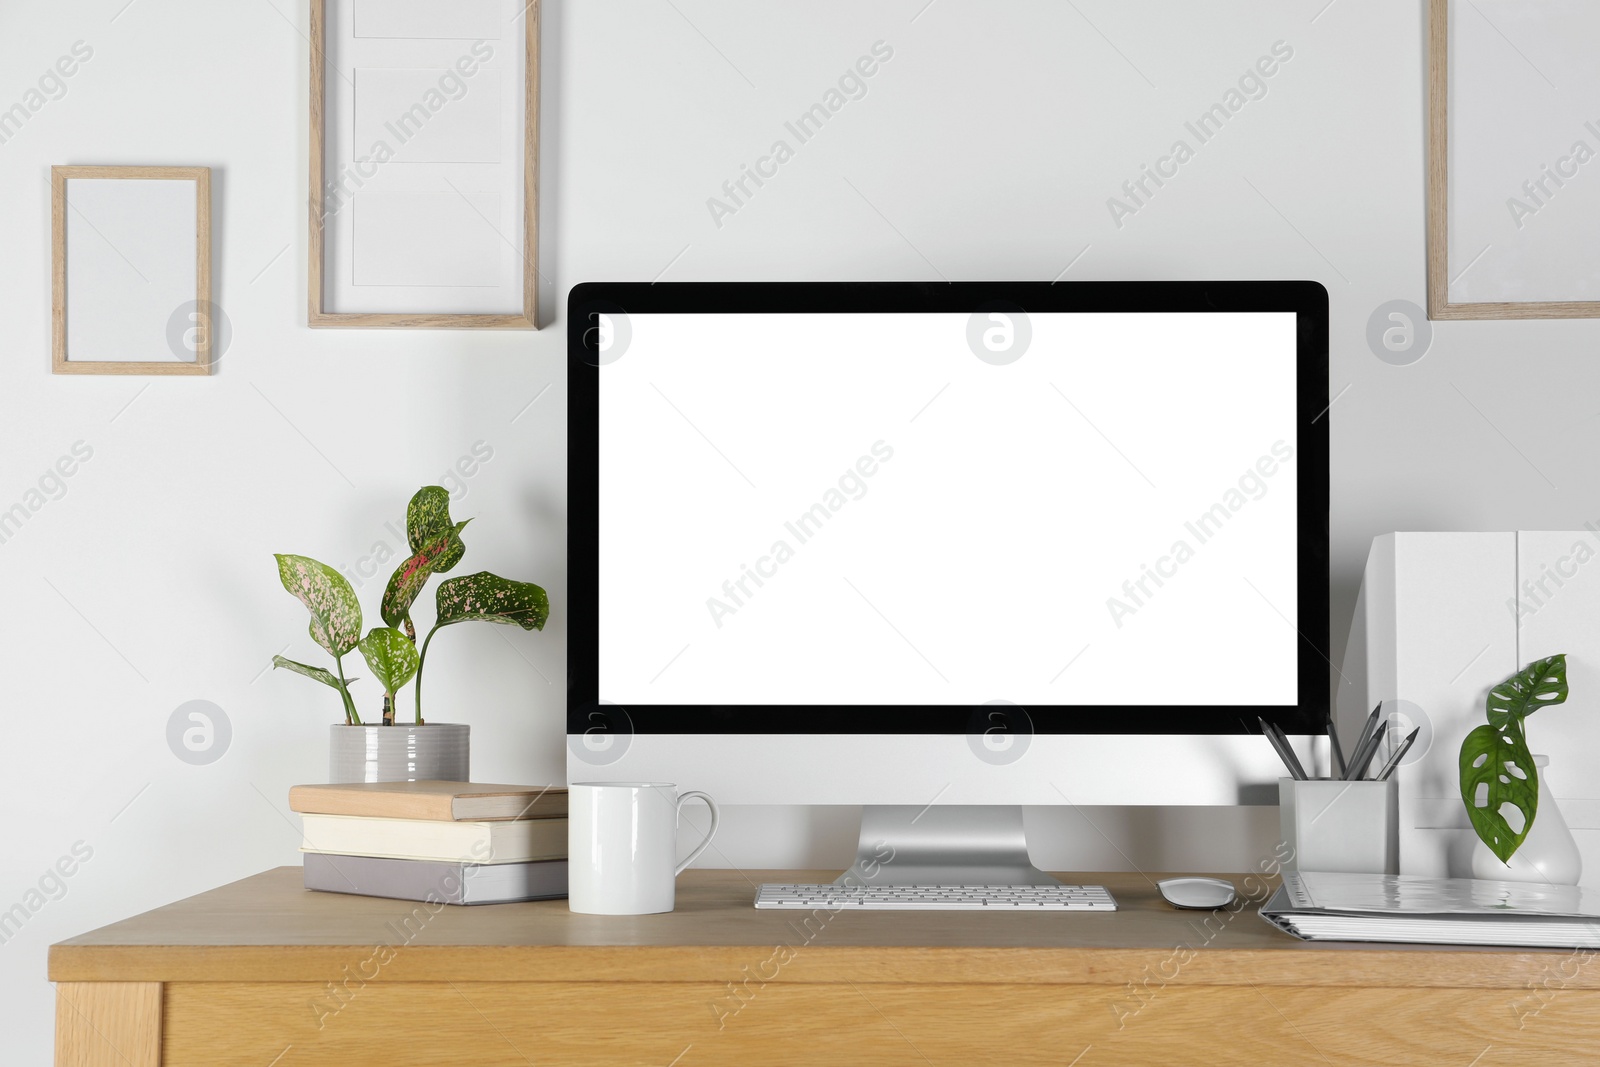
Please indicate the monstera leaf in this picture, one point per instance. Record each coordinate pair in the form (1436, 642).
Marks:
(327, 678)
(1544, 683)
(490, 598)
(436, 547)
(335, 612)
(392, 657)
(1495, 761)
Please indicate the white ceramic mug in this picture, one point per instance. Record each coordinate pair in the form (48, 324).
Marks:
(621, 841)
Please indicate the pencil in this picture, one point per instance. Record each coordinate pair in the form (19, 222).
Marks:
(1399, 754)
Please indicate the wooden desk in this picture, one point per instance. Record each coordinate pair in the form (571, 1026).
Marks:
(262, 972)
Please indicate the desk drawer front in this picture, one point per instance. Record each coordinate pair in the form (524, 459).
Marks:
(514, 1024)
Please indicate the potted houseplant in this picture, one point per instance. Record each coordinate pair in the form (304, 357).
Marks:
(361, 751)
(1530, 842)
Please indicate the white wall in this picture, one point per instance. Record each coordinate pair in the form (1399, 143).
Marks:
(987, 148)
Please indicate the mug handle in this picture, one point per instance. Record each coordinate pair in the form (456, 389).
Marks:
(715, 818)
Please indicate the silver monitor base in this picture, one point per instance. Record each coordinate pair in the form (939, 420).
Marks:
(943, 845)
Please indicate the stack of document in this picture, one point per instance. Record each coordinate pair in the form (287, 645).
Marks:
(1438, 911)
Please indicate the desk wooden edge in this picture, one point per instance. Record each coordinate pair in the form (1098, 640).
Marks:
(1360, 966)
(118, 954)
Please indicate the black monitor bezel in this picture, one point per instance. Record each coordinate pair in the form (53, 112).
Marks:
(1307, 300)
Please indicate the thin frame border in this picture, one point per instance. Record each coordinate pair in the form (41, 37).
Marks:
(529, 319)
(59, 176)
(1306, 299)
(1439, 305)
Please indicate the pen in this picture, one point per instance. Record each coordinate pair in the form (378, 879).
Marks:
(1394, 760)
(1285, 753)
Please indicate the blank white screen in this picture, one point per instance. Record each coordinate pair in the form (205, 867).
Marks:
(1008, 512)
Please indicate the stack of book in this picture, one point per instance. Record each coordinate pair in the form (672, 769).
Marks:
(447, 842)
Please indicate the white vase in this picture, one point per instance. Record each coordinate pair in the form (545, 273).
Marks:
(1548, 854)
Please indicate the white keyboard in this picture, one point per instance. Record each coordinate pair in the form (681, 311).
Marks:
(936, 897)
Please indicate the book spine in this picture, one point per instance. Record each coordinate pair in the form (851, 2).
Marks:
(418, 880)
(370, 806)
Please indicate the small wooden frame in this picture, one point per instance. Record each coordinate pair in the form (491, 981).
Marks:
(65, 218)
(1440, 306)
(322, 114)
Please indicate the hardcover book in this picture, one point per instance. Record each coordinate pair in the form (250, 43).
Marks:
(443, 801)
(515, 841)
(446, 883)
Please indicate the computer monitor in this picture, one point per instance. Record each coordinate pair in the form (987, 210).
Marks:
(947, 549)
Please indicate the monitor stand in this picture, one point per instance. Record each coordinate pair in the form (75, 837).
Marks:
(943, 845)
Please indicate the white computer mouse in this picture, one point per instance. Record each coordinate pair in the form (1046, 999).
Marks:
(1206, 894)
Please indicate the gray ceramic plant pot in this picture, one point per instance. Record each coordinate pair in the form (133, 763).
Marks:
(404, 752)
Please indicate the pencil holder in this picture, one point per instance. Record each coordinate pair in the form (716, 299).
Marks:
(1340, 826)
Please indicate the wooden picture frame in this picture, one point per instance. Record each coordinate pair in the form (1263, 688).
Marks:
(62, 214)
(1440, 302)
(319, 314)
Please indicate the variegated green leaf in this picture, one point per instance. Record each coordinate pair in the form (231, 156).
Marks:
(392, 657)
(428, 519)
(327, 678)
(490, 598)
(335, 612)
(316, 674)
(437, 555)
